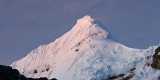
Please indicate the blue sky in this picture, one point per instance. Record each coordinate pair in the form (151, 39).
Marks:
(26, 24)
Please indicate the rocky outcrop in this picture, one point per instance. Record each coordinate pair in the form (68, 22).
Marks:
(156, 59)
(7, 73)
(123, 76)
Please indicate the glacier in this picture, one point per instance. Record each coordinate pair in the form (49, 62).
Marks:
(87, 52)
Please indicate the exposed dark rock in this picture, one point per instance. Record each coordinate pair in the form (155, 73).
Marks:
(157, 50)
(54, 79)
(77, 50)
(128, 77)
(122, 76)
(7, 73)
(156, 59)
(47, 69)
(159, 78)
(115, 77)
(132, 70)
(78, 44)
(35, 71)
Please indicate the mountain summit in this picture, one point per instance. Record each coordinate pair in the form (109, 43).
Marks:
(87, 26)
(87, 52)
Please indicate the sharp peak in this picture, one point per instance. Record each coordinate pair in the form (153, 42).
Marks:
(88, 25)
(86, 19)
(89, 20)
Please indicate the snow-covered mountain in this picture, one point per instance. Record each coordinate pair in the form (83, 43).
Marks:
(88, 52)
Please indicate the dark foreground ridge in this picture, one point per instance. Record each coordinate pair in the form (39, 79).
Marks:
(7, 73)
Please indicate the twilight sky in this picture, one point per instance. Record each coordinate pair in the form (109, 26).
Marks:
(26, 24)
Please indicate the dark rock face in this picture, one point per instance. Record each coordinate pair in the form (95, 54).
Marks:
(115, 77)
(122, 76)
(156, 59)
(7, 73)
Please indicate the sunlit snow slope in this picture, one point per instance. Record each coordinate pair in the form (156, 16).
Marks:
(87, 52)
